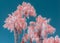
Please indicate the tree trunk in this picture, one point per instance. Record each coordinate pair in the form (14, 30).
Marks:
(15, 36)
(41, 40)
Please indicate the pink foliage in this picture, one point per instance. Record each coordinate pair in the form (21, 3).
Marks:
(15, 22)
(40, 27)
(52, 40)
(27, 9)
(36, 30)
(44, 25)
(17, 19)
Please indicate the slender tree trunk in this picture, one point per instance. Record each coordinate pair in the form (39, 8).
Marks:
(41, 40)
(15, 36)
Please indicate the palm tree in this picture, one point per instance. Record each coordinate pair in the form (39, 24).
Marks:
(17, 20)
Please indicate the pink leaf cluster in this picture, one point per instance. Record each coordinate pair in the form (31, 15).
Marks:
(18, 18)
(15, 22)
(44, 25)
(27, 9)
(52, 40)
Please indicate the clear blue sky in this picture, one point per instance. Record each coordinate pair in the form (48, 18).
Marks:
(47, 8)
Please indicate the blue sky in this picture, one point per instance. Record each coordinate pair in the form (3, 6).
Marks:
(46, 8)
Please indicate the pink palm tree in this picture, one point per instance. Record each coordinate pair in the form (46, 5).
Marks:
(17, 20)
(37, 30)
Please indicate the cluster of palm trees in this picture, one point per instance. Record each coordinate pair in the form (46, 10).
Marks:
(36, 30)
